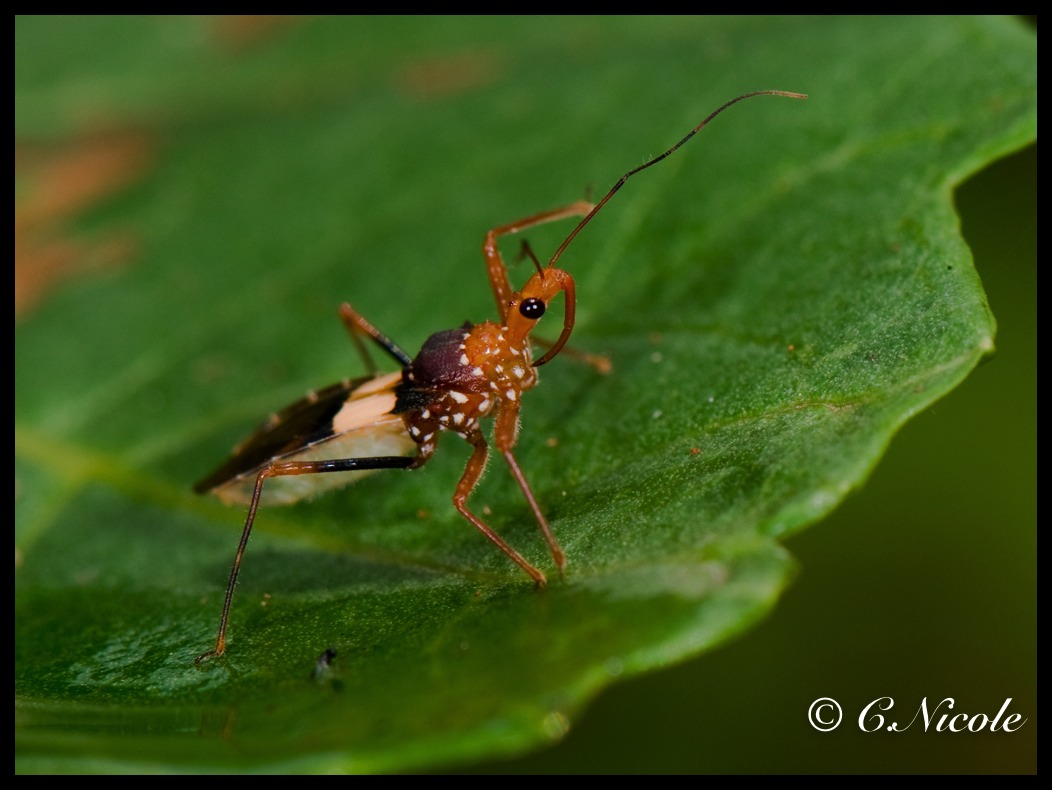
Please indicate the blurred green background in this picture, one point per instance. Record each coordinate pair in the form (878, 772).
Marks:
(923, 584)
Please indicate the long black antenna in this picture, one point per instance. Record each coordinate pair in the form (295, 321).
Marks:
(630, 173)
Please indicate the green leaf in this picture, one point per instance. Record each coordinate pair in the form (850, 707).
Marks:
(777, 298)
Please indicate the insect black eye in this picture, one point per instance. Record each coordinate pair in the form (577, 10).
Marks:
(532, 308)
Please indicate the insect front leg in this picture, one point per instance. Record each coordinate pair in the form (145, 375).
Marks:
(279, 469)
(495, 268)
(472, 472)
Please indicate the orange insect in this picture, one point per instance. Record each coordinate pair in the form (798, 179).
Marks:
(393, 421)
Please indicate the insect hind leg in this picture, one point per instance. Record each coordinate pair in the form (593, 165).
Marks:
(281, 469)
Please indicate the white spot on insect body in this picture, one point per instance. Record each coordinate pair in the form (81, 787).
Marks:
(502, 364)
(464, 360)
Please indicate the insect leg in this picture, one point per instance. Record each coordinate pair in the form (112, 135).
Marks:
(279, 469)
(498, 272)
(504, 435)
(357, 325)
(520, 478)
(598, 361)
(468, 481)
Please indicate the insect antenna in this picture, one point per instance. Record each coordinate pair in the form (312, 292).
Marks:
(526, 251)
(557, 346)
(621, 182)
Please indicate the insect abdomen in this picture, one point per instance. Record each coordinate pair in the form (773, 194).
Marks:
(388, 437)
(355, 419)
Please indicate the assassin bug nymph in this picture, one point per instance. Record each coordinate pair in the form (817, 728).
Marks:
(393, 421)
